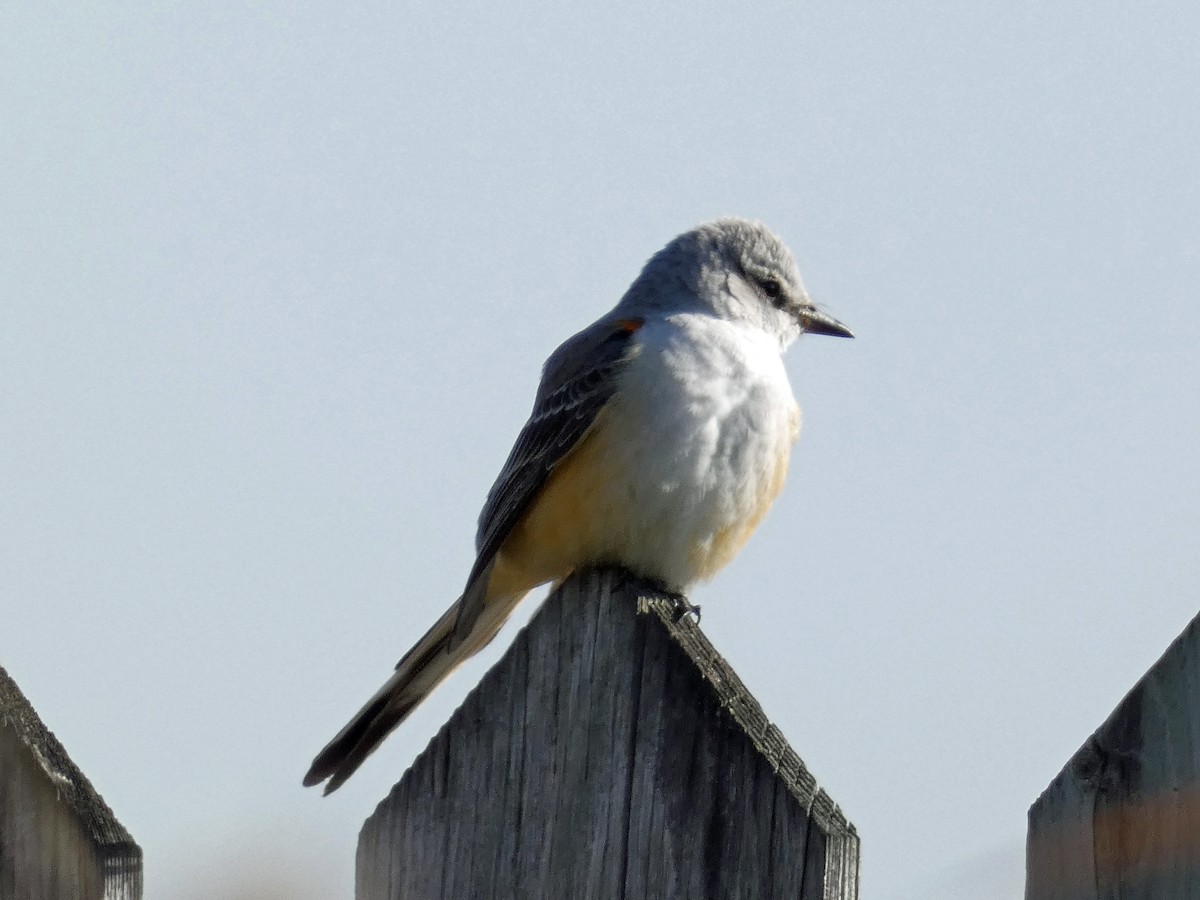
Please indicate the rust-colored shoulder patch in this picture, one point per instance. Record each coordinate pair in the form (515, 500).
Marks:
(629, 326)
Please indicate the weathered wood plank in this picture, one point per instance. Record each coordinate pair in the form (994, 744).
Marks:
(610, 753)
(1122, 819)
(58, 840)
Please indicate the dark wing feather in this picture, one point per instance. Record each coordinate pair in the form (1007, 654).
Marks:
(579, 379)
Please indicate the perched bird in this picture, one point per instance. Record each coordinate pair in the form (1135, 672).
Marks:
(659, 436)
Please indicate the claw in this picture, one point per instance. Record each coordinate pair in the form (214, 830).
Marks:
(683, 607)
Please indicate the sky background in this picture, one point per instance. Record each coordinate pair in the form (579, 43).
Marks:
(277, 280)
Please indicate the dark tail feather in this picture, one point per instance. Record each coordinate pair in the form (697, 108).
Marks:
(443, 648)
(345, 753)
(421, 670)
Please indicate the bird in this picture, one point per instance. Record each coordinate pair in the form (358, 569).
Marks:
(659, 437)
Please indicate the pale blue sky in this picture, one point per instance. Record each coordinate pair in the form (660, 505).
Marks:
(277, 280)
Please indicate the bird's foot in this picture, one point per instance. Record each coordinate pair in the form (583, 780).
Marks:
(684, 607)
(680, 604)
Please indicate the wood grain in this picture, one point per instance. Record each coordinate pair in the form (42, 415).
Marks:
(58, 839)
(1122, 819)
(611, 753)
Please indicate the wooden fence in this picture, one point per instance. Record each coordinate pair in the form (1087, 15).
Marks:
(610, 753)
(58, 840)
(613, 753)
(1122, 819)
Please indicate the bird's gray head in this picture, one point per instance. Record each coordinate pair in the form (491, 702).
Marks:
(735, 269)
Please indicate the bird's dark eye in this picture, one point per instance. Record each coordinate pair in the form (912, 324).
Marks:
(773, 290)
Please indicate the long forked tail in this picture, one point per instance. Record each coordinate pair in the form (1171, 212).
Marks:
(421, 670)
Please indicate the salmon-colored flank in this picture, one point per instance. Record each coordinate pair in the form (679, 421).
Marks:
(576, 516)
(710, 557)
(563, 524)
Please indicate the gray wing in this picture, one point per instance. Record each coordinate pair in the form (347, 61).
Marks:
(578, 380)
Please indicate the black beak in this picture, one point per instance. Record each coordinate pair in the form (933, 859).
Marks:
(813, 321)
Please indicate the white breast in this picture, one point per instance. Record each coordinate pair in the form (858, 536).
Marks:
(700, 432)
